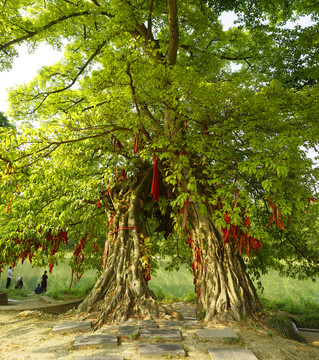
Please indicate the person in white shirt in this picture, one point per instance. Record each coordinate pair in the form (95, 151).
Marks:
(9, 276)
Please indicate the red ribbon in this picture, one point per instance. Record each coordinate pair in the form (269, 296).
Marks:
(155, 182)
(124, 228)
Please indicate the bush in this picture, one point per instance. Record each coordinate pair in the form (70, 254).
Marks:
(291, 306)
(167, 298)
(191, 297)
(307, 321)
(285, 327)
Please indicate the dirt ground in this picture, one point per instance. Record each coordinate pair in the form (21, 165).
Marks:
(27, 335)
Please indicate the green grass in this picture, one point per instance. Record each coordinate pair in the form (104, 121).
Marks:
(298, 298)
(173, 285)
(59, 281)
(277, 287)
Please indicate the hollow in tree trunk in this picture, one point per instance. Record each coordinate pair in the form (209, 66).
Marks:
(222, 284)
(122, 290)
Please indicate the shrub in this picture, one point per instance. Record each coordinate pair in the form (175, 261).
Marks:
(285, 327)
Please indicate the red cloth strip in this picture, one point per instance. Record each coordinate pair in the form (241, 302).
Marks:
(155, 182)
(125, 228)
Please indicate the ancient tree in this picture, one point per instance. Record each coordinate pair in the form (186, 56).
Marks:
(157, 117)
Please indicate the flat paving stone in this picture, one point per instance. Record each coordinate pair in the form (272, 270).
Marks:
(186, 310)
(160, 350)
(194, 324)
(95, 340)
(151, 324)
(163, 334)
(74, 326)
(105, 357)
(127, 330)
(231, 354)
(215, 334)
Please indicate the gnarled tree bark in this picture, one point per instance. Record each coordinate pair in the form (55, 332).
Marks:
(222, 284)
(122, 290)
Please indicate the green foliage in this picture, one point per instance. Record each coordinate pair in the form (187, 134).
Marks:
(307, 321)
(290, 305)
(233, 341)
(128, 74)
(166, 298)
(4, 121)
(133, 336)
(191, 297)
(18, 294)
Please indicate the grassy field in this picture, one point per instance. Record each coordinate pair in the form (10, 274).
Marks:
(277, 287)
(59, 281)
(287, 294)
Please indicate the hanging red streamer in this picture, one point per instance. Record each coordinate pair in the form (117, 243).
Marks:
(155, 182)
(123, 175)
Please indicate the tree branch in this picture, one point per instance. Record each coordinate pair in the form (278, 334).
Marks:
(149, 18)
(173, 32)
(45, 27)
(47, 94)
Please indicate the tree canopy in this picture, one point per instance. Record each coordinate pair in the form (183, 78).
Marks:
(228, 117)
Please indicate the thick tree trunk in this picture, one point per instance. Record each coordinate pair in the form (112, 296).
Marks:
(224, 289)
(122, 290)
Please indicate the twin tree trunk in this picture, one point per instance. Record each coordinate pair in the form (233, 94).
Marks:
(223, 287)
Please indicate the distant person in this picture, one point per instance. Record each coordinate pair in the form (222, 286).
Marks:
(9, 276)
(19, 283)
(38, 289)
(44, 282)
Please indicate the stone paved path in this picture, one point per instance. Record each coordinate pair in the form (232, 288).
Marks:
(155, 339)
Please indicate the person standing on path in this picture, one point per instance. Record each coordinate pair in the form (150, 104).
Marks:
(44, 282)
(9, 276)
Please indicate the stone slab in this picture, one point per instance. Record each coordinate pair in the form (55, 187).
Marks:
(193, 324)
(71, 327)
(215, 334)
(162, 334)
(127, 330)
(231, 354)
(105, 357)
(160, 350)
(95, 340)
(186, 310)
(151, 324)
